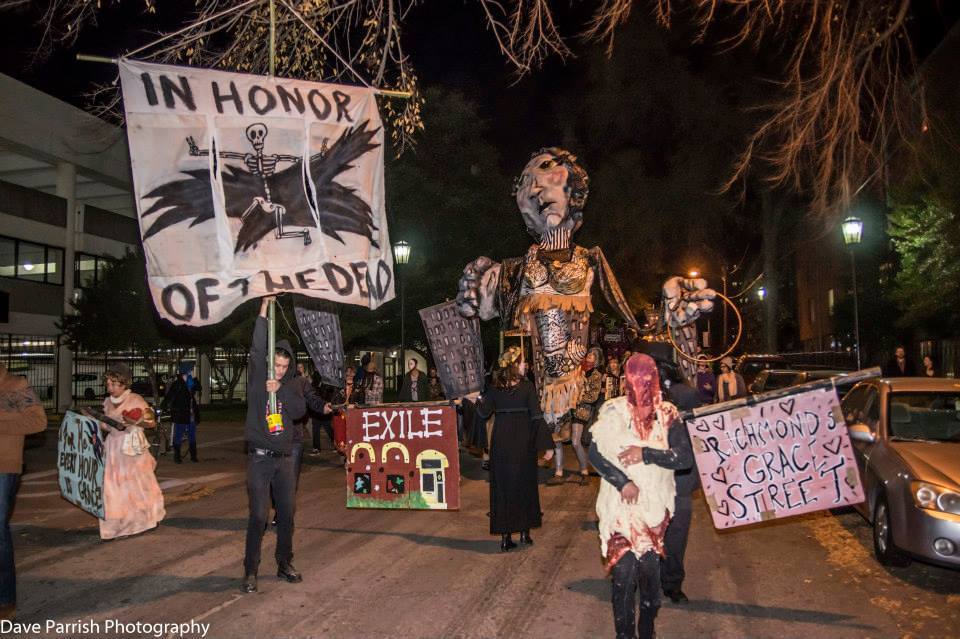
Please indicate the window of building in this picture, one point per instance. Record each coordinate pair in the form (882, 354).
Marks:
(89, 269)
(30, 261)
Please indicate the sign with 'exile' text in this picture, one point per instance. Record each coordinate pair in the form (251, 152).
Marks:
(80, 463)
(249, 186)
(403, 456)
(776, 458)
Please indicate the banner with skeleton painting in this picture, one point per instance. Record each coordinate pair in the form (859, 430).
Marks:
(249, 186)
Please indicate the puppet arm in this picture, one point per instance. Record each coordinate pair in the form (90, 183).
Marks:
(477, 294)
(611, 288)
(680, 454)
(606, 468)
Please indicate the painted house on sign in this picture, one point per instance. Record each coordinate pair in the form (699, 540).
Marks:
(403, 456)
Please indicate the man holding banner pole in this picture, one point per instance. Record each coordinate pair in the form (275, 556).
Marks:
(273, 404)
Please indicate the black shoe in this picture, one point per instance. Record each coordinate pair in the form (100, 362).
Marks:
(285, 570)
(176, 455)
(506, 543)
(249, 583)
(193, 452)
(676, 596)
(485, 465)
(525, 539)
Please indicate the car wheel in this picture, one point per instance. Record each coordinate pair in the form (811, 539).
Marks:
(89, 394)
(887, 553)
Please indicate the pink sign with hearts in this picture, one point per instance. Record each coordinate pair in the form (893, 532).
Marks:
(777, 458)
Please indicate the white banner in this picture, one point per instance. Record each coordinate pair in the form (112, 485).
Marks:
(249, 186)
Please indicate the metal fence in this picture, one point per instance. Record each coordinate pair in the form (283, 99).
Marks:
(34, 357)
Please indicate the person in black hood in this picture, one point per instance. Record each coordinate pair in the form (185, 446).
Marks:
(270, 464)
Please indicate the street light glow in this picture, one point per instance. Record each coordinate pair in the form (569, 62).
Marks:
(694, 273)
(401, 252)
(852, 229)
(762, 293)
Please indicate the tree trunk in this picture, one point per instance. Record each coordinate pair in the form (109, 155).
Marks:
(772, 213)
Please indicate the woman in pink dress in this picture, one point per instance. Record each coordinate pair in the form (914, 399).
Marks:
(132, 498)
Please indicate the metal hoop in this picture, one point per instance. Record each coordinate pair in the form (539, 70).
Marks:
(736, 340)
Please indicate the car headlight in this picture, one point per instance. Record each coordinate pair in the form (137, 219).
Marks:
(933, 497)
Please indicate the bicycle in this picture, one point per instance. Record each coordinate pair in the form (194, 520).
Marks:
(160, 435)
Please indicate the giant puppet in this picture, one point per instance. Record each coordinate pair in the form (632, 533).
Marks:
(547, 292)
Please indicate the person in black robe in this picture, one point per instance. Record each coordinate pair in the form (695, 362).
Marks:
(519, 433)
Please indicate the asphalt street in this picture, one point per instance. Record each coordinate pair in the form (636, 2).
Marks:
(371, 574)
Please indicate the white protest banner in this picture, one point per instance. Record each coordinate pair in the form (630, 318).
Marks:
(80, 462)
(784, 456)
(249, 186)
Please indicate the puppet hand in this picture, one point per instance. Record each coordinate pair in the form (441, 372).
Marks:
(630, 493)
(631, 455)
(468, 294)
(273, 386)
(686, 299)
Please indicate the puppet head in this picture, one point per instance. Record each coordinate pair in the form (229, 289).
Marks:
(552, 191)
(643, 392)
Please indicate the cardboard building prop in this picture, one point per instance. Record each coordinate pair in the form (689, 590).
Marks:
(456, 348)
(321, 335)
(403, 456)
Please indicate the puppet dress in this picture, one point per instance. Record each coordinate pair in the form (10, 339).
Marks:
(519, 432)
(640, 527)
(132, 499)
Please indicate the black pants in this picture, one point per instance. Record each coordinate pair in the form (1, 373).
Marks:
(266, 476)
(630, 575)
(675, 544)
(325, 423)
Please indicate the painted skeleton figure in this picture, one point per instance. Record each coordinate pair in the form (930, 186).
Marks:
(263, 166)
(547, 292)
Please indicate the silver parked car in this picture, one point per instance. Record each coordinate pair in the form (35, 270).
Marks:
(906, 432)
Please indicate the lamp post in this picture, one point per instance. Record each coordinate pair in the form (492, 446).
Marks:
(852, 229)
(401, 255)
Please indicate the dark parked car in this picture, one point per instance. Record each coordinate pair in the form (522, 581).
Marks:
(141, 386)
(750, 365)
(906, 437)
(772, 379)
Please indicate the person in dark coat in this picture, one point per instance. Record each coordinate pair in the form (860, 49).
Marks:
(181, 402)
(899, 365)
(519, 433)
(415, 386)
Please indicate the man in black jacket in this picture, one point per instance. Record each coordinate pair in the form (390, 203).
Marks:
(270, 465)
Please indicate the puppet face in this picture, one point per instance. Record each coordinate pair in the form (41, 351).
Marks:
(544, 196)
(643, 385)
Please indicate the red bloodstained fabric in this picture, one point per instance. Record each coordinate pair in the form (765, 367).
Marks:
(643, 392)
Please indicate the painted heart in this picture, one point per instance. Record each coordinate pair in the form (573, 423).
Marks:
(719, 475)
(132, 415)
(720, 423)
(833, 446)
(702, 426)
(787, 405)
(724, 508)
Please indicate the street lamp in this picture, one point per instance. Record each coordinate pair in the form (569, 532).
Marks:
(762, 292)
(852, 229)
(694, 274)
(401, 255)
